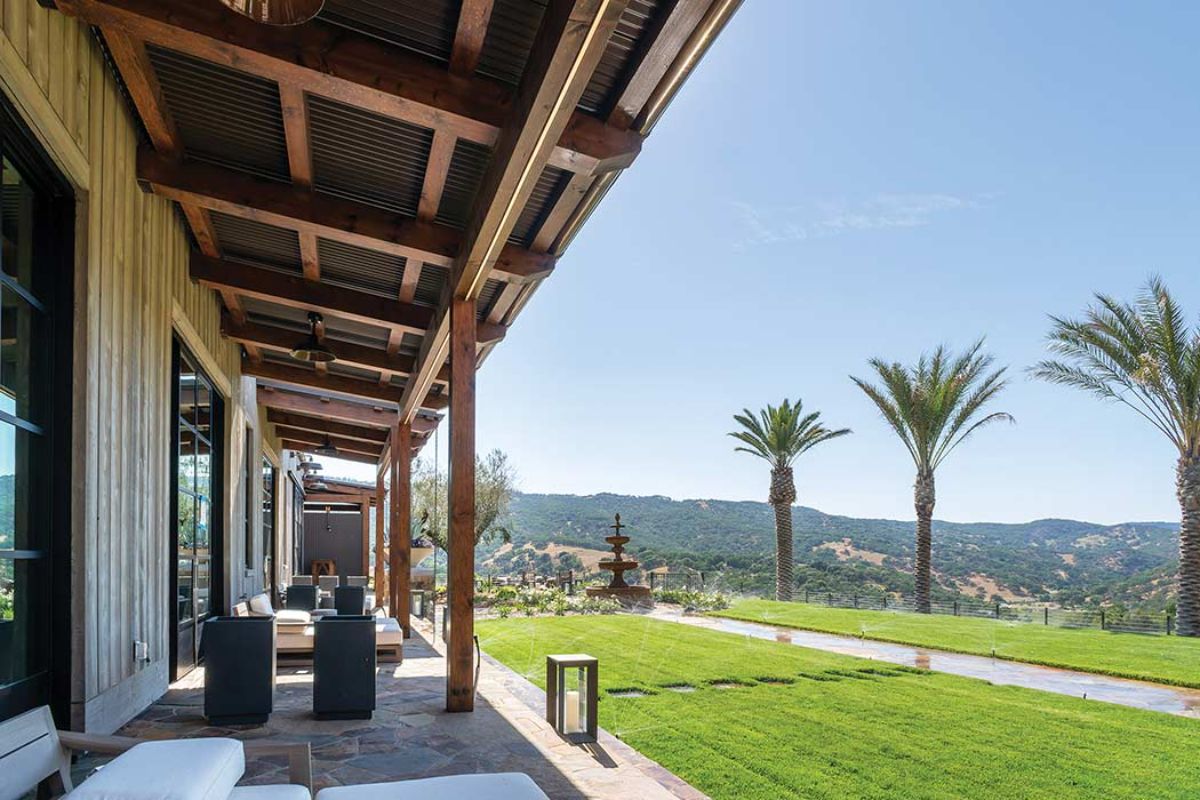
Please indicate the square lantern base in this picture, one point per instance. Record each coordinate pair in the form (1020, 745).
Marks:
(554, 665)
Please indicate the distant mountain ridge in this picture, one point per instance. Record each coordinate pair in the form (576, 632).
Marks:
(1051, 559)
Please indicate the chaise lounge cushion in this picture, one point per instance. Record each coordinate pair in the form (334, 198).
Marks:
(181, 769)
(260, 606)
(277, 791)
(498, 786)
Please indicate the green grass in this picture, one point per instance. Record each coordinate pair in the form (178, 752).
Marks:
(1164, 659)
(800, 723)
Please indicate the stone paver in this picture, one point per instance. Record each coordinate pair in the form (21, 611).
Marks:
(410, 736)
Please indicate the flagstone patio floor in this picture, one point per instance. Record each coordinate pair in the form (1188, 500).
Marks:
(411, 736)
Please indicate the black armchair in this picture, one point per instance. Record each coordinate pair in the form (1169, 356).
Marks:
(350, 600)
(344, 667)
(301, 598)
(239, 669)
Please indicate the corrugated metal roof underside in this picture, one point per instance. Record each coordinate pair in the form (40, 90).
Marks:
(429, 285)
(366, 157)
(245, 240)
(491, 290)
(346, 371)
(223, 116)
(510, 34)
(358, 268)
(424, 26)
(467, 165)
(514, 26)
(547, 189)
(619, 54)
(296, 319)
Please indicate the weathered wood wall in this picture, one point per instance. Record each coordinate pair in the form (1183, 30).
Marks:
(132, 292)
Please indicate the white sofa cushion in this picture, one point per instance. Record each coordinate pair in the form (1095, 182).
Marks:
(276, 791)
(497, 786)
(181, 769)
(293, 617)
(260, 605)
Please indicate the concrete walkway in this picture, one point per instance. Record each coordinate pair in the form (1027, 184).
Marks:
(1138, 694)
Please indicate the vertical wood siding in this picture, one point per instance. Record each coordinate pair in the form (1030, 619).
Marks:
(135, 255)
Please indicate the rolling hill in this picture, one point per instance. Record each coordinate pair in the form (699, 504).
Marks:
(1053, 559)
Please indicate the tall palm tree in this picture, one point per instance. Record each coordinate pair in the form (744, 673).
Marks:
(779, 435)
(1143, 355)
(933, 406)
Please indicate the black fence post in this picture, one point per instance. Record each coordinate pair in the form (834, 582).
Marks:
(883, 603)
(1102, 625)
(702, 581)
(956, 608)
(652, 581)
(1168, 623)
(1046, 615)
(829, 601)
(806, 595)
(856, 599)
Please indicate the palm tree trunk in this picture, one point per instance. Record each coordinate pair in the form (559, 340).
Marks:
(783, 551)
(924, 498)
(1187, 486)
(783, 494)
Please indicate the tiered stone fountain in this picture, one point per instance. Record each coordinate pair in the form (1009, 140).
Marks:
(618, 565)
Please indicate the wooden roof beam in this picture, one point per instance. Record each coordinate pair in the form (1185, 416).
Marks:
(354, 355)
(346, 445)
(353, 68)
(338, 410)
(307, 447)
(337, 384)
(569, 44)
(314, 213)
(320, 425)
(473, 20)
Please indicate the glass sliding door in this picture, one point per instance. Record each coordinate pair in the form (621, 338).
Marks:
(270, 579)
(35, 238)
(196, 543)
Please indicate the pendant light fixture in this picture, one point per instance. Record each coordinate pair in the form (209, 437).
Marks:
(312, 349)
(326, 448)
(276, 12)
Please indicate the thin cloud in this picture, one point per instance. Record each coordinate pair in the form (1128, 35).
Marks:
(825, 219)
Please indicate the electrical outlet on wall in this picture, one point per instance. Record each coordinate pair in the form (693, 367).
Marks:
(141, 652)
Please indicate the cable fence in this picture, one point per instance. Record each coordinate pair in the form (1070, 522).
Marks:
(1103, 619)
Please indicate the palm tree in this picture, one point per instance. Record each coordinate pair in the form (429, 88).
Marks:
(1144, 356)
(933, 406)
(778, 435)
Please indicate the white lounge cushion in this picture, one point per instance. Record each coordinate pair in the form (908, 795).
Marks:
(497, 786)
(292, 616)
(181, 769)
(260, 605)
(276, 791)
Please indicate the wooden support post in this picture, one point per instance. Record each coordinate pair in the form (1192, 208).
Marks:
(381, 580)
(401, 538)
(365, 512)
(460, 558)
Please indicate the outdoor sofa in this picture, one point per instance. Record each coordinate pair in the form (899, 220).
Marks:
(203, 769)
(295, 633)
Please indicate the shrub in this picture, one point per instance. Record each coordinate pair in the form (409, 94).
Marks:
(693, 600)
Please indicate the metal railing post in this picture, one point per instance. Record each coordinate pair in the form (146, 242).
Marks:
(997, 611)
(1102, 625)
(956, 608)
(1046, 615)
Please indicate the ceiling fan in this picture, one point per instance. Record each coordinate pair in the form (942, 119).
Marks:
(276, 12)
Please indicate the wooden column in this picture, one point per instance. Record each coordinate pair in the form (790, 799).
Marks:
(365, 513)
(381, 580)
(401, 535)
(460, 578)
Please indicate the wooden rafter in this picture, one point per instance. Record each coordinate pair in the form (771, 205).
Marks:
(357, 69)
(333, 428)
(295, 292)
(473, 20)
(336, 409)
(347, 353)
(338, 384)
(307, 447)
(568, 47)
(564, 206)
(242, 195)
(311, 437)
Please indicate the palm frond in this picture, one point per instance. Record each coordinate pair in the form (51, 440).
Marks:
(779, 434)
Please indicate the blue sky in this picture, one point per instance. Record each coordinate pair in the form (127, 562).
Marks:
(844, 180)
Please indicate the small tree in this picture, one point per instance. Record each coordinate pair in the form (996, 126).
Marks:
(495, 482)
(779, 435)
(933, 406)
(1144, 356)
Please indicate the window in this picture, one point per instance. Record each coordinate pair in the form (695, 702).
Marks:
(268, 524)
(199, 449)
(35, 242)
(248, 518)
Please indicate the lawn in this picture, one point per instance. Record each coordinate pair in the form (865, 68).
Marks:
(789, 722)
(1165, 659)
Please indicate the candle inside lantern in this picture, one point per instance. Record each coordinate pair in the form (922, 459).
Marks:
(571, 712)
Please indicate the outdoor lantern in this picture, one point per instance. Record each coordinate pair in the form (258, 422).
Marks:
(572, 685)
